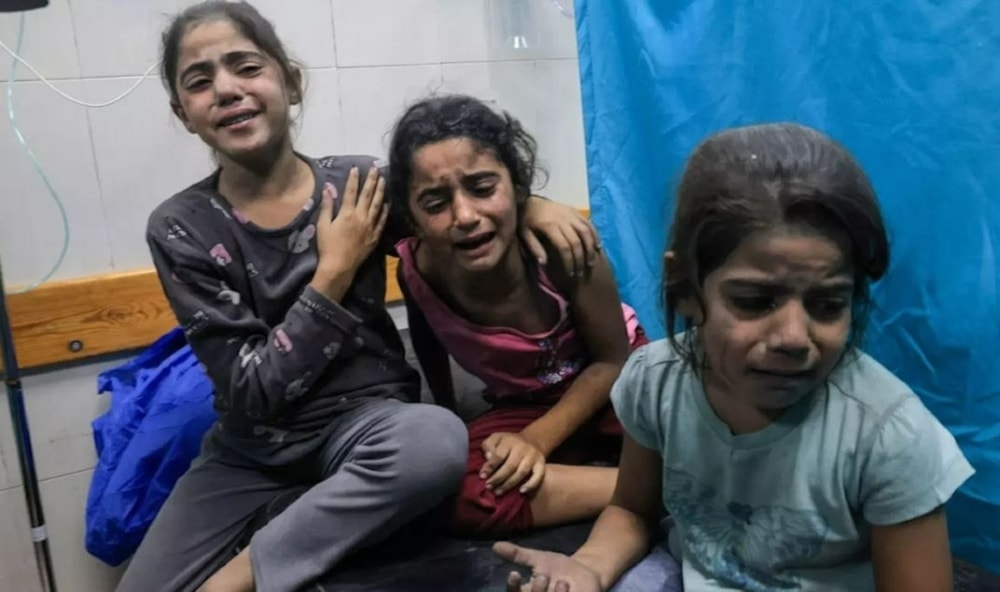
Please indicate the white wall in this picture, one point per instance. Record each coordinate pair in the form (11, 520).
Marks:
(365, 59)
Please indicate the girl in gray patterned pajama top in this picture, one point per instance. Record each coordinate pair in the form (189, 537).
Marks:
(273, 267)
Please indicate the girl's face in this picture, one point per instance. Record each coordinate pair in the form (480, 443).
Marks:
(778, 314)
(231, 93)
(463, 203)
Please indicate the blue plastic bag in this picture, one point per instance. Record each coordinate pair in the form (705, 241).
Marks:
(161, 408)
(910, 88)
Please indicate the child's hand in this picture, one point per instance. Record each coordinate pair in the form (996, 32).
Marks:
(510, 459)
(550, 571)
(566, 229)
(346, 241)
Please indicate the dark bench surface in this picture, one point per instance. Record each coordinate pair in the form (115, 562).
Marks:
(411, 564)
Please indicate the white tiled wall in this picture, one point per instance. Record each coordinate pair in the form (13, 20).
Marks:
(365, 59)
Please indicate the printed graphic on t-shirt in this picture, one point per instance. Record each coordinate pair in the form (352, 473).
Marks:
(298, 241)
(741, 545)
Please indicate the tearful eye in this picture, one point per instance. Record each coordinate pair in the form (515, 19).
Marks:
(484, 190)
(754, 304)
(827, 308)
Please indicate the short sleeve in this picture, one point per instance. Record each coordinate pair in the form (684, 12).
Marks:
(636, 400)
(913, 467)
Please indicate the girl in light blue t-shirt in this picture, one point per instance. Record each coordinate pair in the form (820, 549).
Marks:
(785, 458)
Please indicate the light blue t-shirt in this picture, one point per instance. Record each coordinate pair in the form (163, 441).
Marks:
(787, 507)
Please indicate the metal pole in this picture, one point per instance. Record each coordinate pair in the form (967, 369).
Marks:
(19, 419)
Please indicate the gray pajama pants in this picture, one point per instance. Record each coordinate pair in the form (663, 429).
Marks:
(384, 464)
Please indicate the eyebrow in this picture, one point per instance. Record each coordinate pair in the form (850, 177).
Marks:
(835, 284)
(205, 66)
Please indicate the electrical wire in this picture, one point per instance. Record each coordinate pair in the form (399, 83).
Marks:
(18, 59)
(36, 164)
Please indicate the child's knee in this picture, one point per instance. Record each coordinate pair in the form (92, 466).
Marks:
(481, 513)
(433, 442)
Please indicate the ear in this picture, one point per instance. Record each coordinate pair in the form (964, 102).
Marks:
(295, 87)
(179, 114)
(688, 307)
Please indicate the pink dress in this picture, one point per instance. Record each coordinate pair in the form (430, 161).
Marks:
(524, 375)
(535, 367)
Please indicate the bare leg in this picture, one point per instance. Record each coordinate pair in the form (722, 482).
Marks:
(235, 576)
(572, 493)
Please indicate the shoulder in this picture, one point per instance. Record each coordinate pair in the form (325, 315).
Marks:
(341, 164)
(187, 208)
(865, 383)
(907, 461)
(648, 388)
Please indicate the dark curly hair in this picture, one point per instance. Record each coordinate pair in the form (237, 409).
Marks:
(752, 178)
(439, 118)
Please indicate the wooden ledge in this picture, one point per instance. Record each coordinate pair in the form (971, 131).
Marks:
(73, 320)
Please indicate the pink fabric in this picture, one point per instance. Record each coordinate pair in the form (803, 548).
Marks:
(512, 364)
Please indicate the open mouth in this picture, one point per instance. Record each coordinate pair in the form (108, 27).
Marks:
(781, 375)
(474, 242)
(237, 119)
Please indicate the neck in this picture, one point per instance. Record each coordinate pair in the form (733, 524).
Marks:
(740, 416)
(269, 175)
(492, 285)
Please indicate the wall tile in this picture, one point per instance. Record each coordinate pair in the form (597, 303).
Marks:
(49, 43)
(321, 129)
(372, 99)
(144, 155)
(117, 37)
(31, 231)
(559, 131)
(511, 85)
(65, 506)
(17, 557)
(418, 32)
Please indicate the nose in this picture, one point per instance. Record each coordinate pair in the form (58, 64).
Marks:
(790, 330)
(464, 211)
(227, 88)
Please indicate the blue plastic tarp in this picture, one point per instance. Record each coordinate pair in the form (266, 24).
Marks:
(161, 407)
(911, 88)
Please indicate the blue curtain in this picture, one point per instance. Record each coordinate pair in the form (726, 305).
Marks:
(911, 88)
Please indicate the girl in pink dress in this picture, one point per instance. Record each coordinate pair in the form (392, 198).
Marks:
(548, 344)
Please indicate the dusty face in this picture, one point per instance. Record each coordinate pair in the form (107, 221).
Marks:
(463, 203)
(778, 317)
(231, 93)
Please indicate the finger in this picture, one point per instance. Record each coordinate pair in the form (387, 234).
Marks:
(579, 255)
(326, 202)
(517, 554)
(382, 219)
(494, 460)
(588, 236)
(490, 442)
(539, 583)
(350, 190)
(519, 475)
(534, 245)
(571, 252)
(368, 190)
(562, 586)
(378, 198)
(503, 473)
(537, 474)
(514, 582)
(498, 456)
